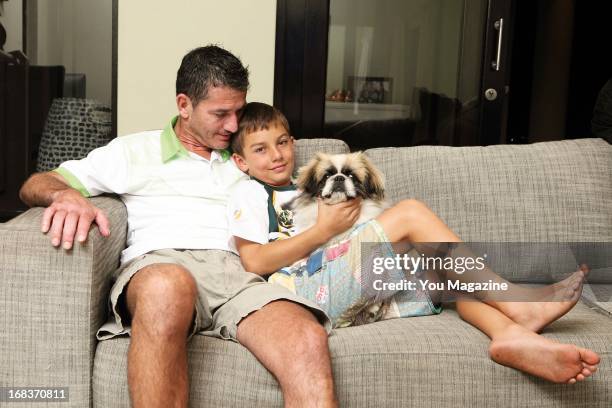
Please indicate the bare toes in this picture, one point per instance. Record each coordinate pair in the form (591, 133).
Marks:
(589, 357)
(572, 381)
(591, 368)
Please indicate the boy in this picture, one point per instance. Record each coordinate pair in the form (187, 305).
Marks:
(263, 148)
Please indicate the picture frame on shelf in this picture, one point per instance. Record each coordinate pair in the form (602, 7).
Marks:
(371, 89)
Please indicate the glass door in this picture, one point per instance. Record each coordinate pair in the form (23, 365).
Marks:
(396, 72)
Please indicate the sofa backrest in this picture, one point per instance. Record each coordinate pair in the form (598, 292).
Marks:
(305, 149)
(551, 191)
(543, 192)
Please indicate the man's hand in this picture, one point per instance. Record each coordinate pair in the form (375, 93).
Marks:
(70, 213)
(336, 218)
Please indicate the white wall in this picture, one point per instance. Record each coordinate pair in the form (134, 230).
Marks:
(12, 20)
(154, 35)
(78, 35)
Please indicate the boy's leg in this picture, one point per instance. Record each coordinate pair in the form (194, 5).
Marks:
(289, 341)
(413, 221)
(514, 346)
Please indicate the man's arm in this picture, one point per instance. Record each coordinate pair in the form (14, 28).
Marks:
(68, 212)
(42, 188)
(264, 259)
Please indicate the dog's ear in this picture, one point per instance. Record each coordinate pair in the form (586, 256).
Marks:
(374, 182)
(307, 175)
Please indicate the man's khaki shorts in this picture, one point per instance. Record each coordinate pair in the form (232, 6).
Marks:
(226, 292)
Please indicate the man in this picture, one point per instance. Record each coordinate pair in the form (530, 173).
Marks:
(177, 276)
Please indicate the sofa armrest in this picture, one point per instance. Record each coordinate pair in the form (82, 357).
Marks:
(52, 302)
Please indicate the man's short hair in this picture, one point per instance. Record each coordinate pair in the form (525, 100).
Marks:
(256, 116)
(210, 66)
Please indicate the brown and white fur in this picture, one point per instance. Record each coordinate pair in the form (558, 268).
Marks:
(337, 178)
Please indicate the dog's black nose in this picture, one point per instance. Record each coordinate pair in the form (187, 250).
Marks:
(339, 178)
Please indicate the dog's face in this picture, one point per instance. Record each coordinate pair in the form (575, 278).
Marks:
(341, 177)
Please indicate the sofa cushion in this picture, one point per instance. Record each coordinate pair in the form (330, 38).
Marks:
(428, 361)
(543, 192)
(306, 149)
(74, 127)
(598, 296)
(53, 301)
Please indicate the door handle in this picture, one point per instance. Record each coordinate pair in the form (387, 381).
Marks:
(499, 26)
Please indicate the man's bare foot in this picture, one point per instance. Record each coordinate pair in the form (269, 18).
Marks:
(534, 354)
(558, 299)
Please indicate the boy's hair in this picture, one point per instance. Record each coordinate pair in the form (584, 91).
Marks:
(256, 116)
(210, 66)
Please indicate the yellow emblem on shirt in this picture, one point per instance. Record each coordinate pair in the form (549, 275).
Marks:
(237, 214)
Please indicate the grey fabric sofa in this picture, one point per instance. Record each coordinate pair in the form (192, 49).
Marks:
(52, 302)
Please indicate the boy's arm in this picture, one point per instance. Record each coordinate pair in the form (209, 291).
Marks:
(264, 259)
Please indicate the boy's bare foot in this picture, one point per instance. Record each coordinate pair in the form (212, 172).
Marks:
(558, 299)
(529, 352)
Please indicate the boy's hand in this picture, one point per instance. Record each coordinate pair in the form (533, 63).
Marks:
(336, 218)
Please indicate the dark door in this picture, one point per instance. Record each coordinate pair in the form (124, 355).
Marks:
(394, 72)
(15, 161)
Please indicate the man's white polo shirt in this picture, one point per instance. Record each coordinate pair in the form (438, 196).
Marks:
(174, 198)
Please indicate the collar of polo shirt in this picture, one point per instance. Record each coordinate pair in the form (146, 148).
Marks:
(171, 146)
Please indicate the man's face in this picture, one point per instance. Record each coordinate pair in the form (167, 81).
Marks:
(212, 121)
(268, 156)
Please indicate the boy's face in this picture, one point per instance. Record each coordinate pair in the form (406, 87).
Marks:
(268, 156)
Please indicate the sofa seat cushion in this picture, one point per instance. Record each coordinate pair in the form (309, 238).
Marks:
(428, 361)
(598, 297)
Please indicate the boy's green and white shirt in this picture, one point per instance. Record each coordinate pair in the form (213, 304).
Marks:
(174, 198)
(255, 212)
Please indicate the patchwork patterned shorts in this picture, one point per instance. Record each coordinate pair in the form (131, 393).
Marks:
(339, 276)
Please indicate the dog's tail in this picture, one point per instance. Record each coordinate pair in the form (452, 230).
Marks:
(365, 310)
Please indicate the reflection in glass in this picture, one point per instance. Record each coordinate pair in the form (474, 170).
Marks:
(402, 72)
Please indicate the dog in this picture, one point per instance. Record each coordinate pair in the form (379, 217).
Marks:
(337, 178)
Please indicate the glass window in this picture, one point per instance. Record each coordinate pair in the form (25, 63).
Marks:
(394, 70)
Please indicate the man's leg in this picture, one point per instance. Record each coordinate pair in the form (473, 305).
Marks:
(289, 341)
(161, 300)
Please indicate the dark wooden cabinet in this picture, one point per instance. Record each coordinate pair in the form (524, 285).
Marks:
(15, 154)
(26, 93)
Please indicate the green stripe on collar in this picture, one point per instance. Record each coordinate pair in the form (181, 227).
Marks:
(225, 154)
(170, 145)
